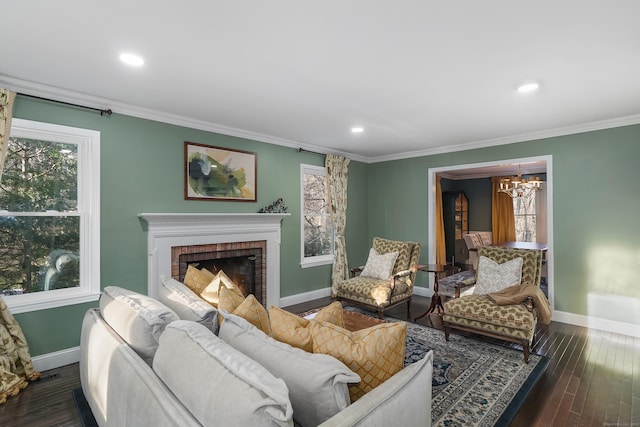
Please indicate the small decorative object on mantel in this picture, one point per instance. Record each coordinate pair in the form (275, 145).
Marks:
(276, 207)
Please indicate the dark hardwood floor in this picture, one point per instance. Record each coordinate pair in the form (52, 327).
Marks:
(593, 379)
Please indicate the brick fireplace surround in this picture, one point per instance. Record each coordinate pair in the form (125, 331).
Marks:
(170, 230)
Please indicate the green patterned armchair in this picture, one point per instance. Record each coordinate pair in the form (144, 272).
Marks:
(478, 313)
(381, 294)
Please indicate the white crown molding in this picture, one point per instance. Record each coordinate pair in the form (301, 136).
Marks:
(37, 89)
(532, 136)
(44, 91)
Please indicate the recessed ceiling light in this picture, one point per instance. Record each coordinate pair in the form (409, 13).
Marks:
(131, 59)
(357, 129)
(528, 87)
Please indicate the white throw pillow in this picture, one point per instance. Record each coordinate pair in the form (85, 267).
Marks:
(187, 305)
(379, 266)
(138, 319)
(493, 277)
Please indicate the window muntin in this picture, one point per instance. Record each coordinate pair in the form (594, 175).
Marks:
(49, 216)
(317, 229)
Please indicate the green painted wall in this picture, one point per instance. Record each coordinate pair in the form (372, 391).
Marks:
(596, 205)
(142, 167)
(596, 200)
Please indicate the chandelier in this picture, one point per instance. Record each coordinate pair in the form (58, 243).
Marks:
(517, 186)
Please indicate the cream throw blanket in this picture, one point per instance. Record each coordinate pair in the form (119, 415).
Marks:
(519, 294)
(15, 361)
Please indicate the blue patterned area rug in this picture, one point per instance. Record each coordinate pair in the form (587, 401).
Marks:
(474, 383)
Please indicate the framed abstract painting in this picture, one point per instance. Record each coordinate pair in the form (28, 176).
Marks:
(215, 173)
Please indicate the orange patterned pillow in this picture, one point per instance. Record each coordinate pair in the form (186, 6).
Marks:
(248, 308)
(211, 292)
(375, 353)
(294, 330)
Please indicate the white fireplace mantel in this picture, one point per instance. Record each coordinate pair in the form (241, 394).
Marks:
(166, 230)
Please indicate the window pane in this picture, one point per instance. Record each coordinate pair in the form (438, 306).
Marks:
(524, 209)
(39, 253)
(39, 176)
(318, 236)
(315, 194)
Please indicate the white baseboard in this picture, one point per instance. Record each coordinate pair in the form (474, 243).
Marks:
(597, 323)
(44, 362)
(304, 297)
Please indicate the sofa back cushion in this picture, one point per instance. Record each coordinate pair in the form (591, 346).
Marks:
(186, 304)
(216, 383)
(138, 319)
(317, 383)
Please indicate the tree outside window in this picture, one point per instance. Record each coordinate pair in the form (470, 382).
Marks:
(317, 230)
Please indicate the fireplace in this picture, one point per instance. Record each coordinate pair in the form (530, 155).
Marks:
(226, 233)
(243, 262)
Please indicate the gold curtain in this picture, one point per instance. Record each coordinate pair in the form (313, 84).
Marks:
(6, 109)
(16, 368)
(503, 223)
(337, 179)
(441, 248)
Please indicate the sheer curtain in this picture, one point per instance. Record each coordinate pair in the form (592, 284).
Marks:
(503, 223)
(6, 109)
(337, 179)
(441, 249)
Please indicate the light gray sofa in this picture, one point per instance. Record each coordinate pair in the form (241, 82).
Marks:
(141, 365)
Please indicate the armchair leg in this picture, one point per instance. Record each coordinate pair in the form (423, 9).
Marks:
(446, 331)
(525, 350)
(409, 308)
(380, 313)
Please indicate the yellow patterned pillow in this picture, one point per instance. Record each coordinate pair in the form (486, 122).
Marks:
(294, 330)
(197, 280)
(248, 308)
(375, 353)
(210, 292)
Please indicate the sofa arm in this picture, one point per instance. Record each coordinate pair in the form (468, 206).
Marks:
(403, 400)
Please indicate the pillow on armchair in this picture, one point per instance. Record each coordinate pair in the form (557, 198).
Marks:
(379, 266)
(493, 277)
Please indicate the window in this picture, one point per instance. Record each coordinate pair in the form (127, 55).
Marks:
(524, 212)
(317, 230)
(50, 217)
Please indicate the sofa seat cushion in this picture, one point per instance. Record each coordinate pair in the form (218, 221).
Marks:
(375, 353)
(480, 312)
(218, 384)
(186, 304)
(317, 383)
(138, 319)
(373, 291)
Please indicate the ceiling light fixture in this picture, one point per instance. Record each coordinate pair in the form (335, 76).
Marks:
(517, 186)
(528, 87)
(131, 59)
(357, 129)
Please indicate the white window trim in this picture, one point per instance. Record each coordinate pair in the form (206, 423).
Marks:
(315, 261)
(88, 142)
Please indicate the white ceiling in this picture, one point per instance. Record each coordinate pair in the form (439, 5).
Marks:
(420, 76)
